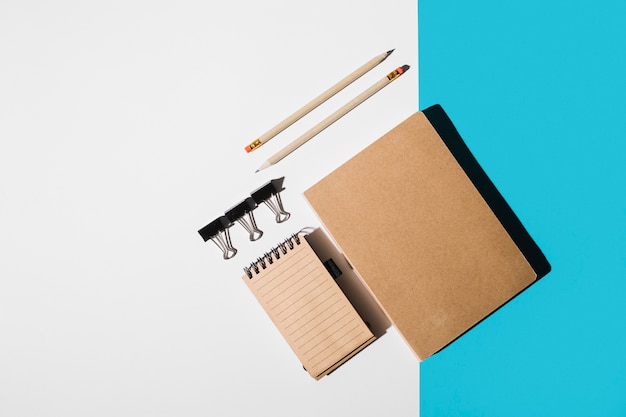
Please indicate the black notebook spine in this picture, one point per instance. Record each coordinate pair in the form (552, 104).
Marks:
(451, 137)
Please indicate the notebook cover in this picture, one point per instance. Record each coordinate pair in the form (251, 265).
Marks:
(307, 306)
(421, 234)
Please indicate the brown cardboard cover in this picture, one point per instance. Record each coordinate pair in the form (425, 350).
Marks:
(420, 235)
(308, 308)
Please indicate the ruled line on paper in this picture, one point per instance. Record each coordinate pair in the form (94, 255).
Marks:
(332, 296)
(323, 346)
(326, 331)
(315, 289)
(320, 292)
(303, 277)
(356, 337)
(335, 302)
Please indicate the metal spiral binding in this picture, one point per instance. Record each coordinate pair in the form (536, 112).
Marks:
(273, 255)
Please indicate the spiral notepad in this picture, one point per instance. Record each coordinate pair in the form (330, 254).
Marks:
(309, 309)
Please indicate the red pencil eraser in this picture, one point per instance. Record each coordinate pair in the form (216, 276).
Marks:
(248, 149)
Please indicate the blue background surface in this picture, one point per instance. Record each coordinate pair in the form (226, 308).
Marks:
(538, 92)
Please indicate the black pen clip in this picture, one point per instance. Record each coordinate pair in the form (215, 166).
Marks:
(270, 195)
(242, 213)
(218, 232)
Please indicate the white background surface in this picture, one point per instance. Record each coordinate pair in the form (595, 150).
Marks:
(122, 128)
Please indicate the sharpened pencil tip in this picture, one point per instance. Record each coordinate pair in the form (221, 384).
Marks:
(256, 171)
(390, 51)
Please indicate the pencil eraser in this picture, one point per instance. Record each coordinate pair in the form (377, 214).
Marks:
(255, 144)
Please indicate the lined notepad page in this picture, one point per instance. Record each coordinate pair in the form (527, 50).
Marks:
(309, 310)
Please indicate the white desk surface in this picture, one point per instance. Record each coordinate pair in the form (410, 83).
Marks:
(122, 128)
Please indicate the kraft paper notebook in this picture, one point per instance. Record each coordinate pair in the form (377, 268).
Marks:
(427, 231)
(300, 294)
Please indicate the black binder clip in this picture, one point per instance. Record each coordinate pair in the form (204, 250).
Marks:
(218, 232)
(270, 195)
(239, 212)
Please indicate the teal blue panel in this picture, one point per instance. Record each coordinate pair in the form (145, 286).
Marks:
(538, 91)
